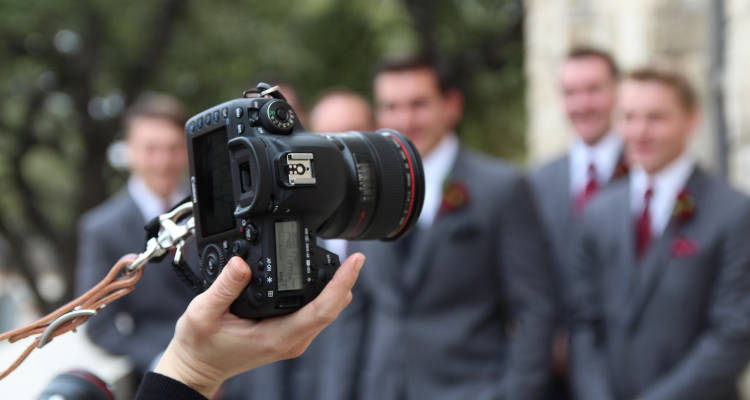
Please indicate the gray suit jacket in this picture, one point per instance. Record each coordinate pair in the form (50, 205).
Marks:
(108, 232)
(674, 324)
(550, 184)
(469, 315)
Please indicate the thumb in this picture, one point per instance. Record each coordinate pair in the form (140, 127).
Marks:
(227, 287)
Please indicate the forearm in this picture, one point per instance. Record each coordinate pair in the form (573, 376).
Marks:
(156, 386)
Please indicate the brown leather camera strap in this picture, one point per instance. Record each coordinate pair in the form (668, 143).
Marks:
(118, 282)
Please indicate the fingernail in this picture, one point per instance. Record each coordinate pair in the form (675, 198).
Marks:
(238, 272)
(360, 261)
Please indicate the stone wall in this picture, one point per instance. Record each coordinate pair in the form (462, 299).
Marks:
(736, 84)
(637, 32)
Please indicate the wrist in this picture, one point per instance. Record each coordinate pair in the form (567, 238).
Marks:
(181, 367)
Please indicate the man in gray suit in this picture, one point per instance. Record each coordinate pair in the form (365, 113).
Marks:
(563, 186)
(662, 294)
(462, 308)
(141, 324)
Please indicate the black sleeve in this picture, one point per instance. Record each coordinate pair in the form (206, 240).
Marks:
(159, 387)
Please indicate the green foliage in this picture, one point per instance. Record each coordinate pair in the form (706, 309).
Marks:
(62, 58)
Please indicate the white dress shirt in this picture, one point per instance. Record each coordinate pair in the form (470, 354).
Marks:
(149, 203)
(437, 166)
(666, 184)
(604, 155)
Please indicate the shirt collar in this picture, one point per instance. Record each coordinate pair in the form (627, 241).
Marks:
(149, 203)
(666, 184)
(437, 166)
(604, 154)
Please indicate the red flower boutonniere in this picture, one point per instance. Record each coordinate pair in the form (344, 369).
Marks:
(455, 197)
(684, 209)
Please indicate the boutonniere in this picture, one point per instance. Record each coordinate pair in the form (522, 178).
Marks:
(684, 207)
(455, 197)
(684, 210)
(621, 169)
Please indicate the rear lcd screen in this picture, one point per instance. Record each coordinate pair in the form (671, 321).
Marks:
(288, 260)
(213, 182)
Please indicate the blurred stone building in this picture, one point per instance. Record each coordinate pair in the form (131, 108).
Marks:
(702, 38)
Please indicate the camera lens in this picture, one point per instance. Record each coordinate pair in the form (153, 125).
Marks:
(386, 188)
(76, 384)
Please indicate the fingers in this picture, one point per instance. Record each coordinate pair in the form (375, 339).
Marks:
(226, 288)
(128, 257)
(331, 301)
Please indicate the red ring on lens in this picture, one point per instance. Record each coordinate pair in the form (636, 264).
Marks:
(411, 173)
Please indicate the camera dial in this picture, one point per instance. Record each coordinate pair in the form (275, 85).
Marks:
(277, 117)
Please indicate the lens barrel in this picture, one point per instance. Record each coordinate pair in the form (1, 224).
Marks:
(76, 384)
(387, 188)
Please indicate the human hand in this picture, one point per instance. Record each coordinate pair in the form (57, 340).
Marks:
(210, 344)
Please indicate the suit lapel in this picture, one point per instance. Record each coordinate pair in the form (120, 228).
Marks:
(658, 257)
(134, 219)
(441, 230)
(625, 236)
(563, 204)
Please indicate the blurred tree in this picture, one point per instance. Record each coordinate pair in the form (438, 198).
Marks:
(70, 67)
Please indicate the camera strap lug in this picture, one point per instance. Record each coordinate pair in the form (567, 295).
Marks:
(171, 234)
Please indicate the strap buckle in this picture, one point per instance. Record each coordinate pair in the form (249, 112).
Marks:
(171, 235)
(52, 327)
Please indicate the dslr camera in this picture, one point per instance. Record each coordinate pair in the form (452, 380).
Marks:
(264, 189)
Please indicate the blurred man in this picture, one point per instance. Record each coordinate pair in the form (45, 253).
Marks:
(341, 110)
(563, 187)
(462, 307)
(662, 290)
(139, 325)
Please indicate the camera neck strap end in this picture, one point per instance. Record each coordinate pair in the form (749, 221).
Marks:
(174, 228)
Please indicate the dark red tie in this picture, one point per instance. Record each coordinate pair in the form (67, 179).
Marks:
(643, 226)
(588, 192)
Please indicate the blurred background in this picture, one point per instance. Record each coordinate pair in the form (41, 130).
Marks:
(70, 68)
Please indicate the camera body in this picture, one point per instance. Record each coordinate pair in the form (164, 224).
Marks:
(264, 190)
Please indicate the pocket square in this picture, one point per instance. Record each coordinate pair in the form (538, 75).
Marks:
(684, 247)
(464, 232)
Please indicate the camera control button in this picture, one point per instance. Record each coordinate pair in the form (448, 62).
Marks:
(207, 119)
(322, 275)
(212, 260)
(282, 114)
(251, 233)
(240, 129)
(238, 112)
(239, 248)
(225, 113)
(252, 115)
(199, 123)
(216, 116)
(192, 127)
